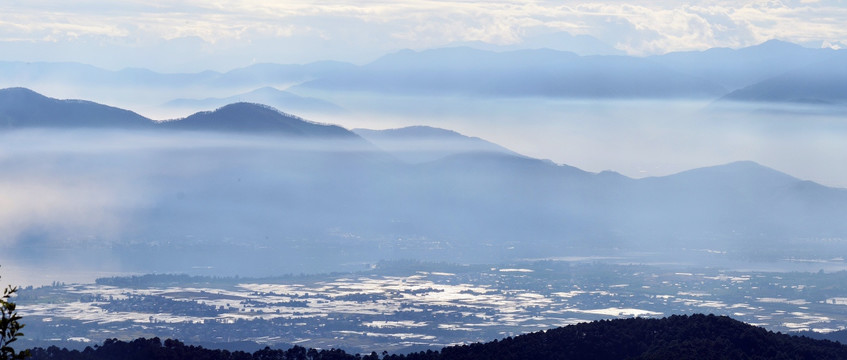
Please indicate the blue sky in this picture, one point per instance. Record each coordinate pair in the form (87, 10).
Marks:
(186, 35)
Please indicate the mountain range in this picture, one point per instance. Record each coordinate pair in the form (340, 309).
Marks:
(540, 72)
(738, 68)
(758, 73)
(249, 181)
(24, 108)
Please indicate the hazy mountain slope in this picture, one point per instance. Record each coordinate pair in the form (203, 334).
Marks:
(416, 144)
(739, 68)
(722, 204)
(461, 70)
(266, 95)
(20, 108)
(823, 82)
(247, 117)
(541, 72)
(293, 195)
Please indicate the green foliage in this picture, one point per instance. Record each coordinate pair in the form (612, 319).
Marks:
(10, 327)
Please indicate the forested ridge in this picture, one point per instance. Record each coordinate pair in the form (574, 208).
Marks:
(674, 337)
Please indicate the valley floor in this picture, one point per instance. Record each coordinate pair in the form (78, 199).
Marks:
(402, 306)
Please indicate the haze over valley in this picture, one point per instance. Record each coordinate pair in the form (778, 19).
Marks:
(444, 182)
(114, 191)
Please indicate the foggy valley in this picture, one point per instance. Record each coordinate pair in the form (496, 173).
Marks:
(426, 197)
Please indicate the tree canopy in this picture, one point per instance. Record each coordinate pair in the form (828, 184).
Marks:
(674, 337)
(10, 326)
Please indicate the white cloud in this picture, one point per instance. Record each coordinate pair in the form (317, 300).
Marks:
(361, 30)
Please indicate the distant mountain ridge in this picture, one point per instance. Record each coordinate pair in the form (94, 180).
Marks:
(823, 82)
(24, 108)
(542, 72)
(738, 68)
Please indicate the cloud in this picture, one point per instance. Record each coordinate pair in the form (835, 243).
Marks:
(361, 30)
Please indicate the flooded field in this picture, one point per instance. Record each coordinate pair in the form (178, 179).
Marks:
(410, 306)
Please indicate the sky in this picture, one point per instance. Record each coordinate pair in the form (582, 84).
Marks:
(191, 35)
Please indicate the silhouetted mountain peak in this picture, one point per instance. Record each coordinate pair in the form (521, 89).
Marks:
(251, 117)
(19, 92)
(247, 109)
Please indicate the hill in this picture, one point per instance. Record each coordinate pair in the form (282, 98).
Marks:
(674, 337)
(254, 118)
(20, 107)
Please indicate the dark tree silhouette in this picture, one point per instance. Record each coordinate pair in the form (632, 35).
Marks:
(10, 326)
(675, 337)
